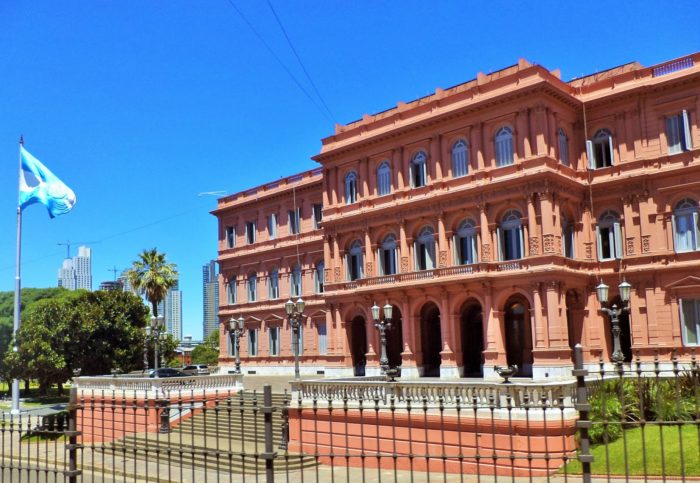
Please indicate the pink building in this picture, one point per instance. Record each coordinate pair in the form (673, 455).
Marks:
(485, 214)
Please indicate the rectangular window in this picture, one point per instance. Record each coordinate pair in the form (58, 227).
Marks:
(250, 232)
(231, 292)
(295, 283)
(273, 291)
(678, 133)
(252, 289)
(272, 226)
(318, 215)
(322, 342)
(568, 240)
(230, 237)
(294, 221)
(252, 342)
(690, 321)
(563, 149)
(685, 231)
(274, 341)
(319, 277)
(609, 242)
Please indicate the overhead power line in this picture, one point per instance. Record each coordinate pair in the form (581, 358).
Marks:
(303, 67)
(279, 61)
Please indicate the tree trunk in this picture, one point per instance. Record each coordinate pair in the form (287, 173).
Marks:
(26, 388)
(60, 389)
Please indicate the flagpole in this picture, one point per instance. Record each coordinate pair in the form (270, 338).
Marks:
(18, 284)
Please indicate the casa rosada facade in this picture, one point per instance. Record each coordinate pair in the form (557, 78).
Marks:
(486, 214)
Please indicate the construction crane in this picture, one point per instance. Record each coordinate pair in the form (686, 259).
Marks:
(67, 244)
(114, 270)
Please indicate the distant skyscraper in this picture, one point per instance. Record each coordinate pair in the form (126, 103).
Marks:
(111, 286)
(210, 291)
(173, 312)
(76, 272)
(124, 279)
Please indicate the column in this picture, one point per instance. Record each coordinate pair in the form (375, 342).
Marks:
(327, 196)
(339, 187)
(436, 172)
(397, 168)
(540, 130)
(327, 258)
(550, 223)
(442, 241)
(448, 365)
(532, 231)
(522, 141)
(540, 333)
(337, 259)
(486, 247)
(369, 254)
(403, 268)
(493, 330)
(552, 133)
(476, 141)
(630, 233)
(364, 176)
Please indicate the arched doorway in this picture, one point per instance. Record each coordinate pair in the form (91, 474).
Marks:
(358, 345)
(431, 339)
(394, 339)
(472, 340)
(625, 332)
(518, 335)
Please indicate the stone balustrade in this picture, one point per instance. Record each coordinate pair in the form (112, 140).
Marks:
(138, 383)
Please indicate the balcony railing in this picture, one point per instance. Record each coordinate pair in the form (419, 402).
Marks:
(673, 66)
(160, 384)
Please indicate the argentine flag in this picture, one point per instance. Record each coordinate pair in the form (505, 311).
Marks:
(38, 184)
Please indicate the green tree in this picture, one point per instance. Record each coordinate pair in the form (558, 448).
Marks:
(208, 351)
(151, 276)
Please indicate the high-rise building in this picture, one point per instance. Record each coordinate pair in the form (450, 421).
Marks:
(210, 291)
(172, 311)
(111, 286)
(124, 279)
(76, 272)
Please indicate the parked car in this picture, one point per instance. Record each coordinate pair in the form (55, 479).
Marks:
(196, 370)
(167, 372)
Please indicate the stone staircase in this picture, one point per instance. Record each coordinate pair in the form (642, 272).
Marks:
(228, 438)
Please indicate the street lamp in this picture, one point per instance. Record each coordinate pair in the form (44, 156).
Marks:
(614, 312)
(383, 325)
(295, 313)
(236, 329)
(154, 332)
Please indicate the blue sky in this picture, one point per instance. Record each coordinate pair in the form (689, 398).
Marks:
(140, 105)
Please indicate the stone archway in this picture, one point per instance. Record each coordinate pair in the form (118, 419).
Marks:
(431, 340)
(471, 320)
(518, 335)
(358, 345)
(394, 339)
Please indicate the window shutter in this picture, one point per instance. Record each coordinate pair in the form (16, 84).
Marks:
(589, 153)
(416, 265)
(456, 244)
(612, 151)
(686, 129)
(475, 253)
(424, 168)
(676, 238)
(348, 269)
(246, 233)
(598, 242)
(498, 241)
(618, 239)
(695, 231)
(380, 260)
(361, 267)
(431, 255)
(522, 242)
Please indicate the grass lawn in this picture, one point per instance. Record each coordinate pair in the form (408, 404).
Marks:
(660, 459)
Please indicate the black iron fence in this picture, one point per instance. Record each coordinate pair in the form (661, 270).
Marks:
(638, 420)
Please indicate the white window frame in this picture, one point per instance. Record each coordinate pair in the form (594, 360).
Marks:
(568, 237)
(319, 277)
(692, 306)
(563, 147)
(600, 150)
(504, 147)
(252, 287)
(230, 236)
(354, 260)
(424, 249)
(231, 291)
(511, 242)
(609, 226)
(460, 159)
(317, 215)
(273, 284)
(685, 215)
(678, 137)
(272, 225)
(466, 236)
(350, 188)
(383, 179)
(294, 221)
(295, 281)
(273, 341)
(387, 254)
(250, 231)
(419, 170)
(322, 332)
(252, 342)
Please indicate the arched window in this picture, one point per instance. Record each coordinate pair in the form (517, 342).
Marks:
(465, 243)
(295, 282)
(252, 287)
(563, 147)
(419, 174)
(319, 277)
(354, 261)
(460, 159)
(387, 256)
(609, 235)
(383, 179)
(600, 150)
(273, 284)
(567, 237)
(350, 188)
(510, 237)
(425, 249)
(504, 146)
(685, 225)
(231, 291)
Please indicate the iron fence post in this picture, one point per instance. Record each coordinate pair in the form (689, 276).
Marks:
(73, 472)
(269, 455)
(583, 407)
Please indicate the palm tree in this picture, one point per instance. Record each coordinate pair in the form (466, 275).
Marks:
(151, 276)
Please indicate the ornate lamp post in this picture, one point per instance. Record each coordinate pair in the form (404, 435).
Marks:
(236, 327)
(295, 313)
(383, 325)
(154, 331)
(614, 312)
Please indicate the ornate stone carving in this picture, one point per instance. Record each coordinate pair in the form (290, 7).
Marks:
(548, 242)
(534, 245)
(589, 251)
(443, 259)
(404, 264)
(629, 246)
(646, 243)
(327, 274)
(370, 271)
(557, 245)
(486, 252)
(337, 274)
